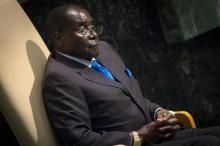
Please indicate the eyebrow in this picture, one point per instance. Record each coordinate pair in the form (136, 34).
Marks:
(84, 23)
(81, 23)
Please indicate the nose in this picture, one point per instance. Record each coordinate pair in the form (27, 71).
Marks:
(92, 34)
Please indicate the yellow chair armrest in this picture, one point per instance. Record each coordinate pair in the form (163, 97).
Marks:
(185, 118)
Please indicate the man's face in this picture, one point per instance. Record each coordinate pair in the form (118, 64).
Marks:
(80, 40)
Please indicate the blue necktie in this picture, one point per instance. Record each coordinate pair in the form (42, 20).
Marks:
(95, 65)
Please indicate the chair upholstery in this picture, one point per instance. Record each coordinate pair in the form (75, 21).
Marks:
(23, 55)
(185, 119)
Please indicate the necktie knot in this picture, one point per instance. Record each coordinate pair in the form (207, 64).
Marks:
(97, 66)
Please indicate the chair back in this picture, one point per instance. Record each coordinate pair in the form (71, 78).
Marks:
(23, 55)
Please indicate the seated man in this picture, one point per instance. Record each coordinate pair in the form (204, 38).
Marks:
(92, 98)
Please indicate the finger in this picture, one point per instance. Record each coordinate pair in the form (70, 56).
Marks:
(162, 113)
(159, 116)
(162, 123)
(165, 114)
(173, 121)
(170, 116)
(167, 129)
(167, 117)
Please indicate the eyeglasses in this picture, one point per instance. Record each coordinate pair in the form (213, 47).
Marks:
(84, 31)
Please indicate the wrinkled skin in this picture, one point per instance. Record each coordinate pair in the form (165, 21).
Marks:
(163, 113)
(71, 42)
(158, 130)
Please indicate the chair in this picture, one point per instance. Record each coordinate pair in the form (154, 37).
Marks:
(23, 55)
(185, 119)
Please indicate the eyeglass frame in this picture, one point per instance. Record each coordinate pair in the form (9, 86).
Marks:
(91, 28)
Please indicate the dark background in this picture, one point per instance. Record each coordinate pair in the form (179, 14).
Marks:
(180, 76)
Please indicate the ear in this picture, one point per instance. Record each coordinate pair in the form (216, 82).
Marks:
(57, 39)
(56, 36)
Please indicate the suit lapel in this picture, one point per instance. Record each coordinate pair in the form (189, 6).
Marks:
(95, 76)
(88, 73)
(116, 71)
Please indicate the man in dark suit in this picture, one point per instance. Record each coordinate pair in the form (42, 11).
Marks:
(93, 99)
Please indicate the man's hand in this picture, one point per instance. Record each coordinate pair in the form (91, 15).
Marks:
(158, 130)
(162, 113)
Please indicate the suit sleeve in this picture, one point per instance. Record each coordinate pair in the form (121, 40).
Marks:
(151, 107)
(69, 113)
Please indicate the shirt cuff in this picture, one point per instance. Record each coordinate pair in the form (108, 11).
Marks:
(156, 111)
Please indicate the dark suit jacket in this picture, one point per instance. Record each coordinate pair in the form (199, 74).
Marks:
(88, 109)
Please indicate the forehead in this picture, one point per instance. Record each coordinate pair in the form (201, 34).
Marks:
(79, 16)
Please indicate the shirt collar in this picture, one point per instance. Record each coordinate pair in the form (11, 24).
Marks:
(79, 60)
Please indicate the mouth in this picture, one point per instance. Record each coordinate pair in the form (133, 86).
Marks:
(93, 43)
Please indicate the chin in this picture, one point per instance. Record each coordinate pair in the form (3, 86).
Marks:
(95, 54)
